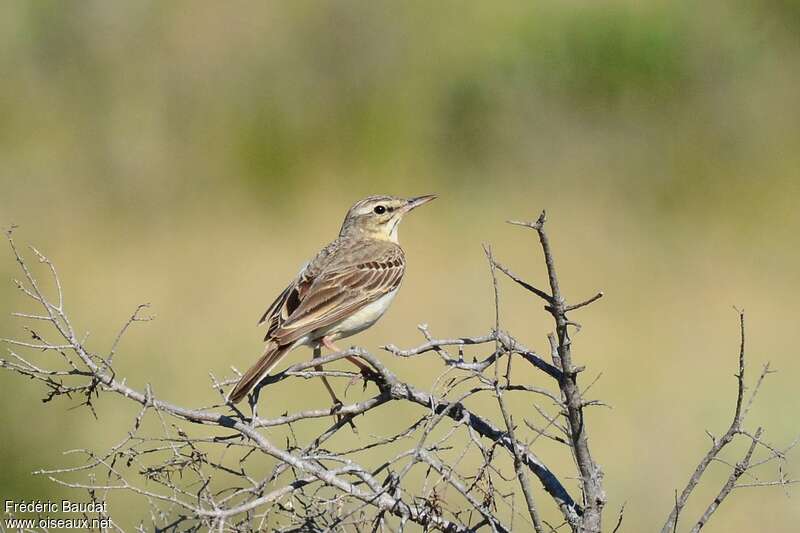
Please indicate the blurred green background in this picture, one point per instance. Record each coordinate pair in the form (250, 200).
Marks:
(194, 154)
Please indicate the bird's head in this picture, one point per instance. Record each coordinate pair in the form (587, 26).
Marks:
(377, 217)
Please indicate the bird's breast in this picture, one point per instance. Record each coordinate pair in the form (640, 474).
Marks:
(364, 317)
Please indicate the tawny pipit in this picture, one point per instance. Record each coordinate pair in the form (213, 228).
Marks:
(345, 289)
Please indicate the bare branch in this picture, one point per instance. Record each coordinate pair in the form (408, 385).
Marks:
(740, 468)
(195, 467)
(735, 429)
(518, 463)
(590, 474)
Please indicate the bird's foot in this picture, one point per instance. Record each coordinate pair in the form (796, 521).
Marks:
(252, 400)
(337, 406)
(365, 375)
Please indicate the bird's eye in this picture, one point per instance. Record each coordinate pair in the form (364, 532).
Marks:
(379, 209)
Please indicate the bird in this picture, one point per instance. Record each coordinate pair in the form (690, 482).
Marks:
(342, 291)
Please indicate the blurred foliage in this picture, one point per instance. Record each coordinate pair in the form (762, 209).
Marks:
(606, 52)
(192, 154)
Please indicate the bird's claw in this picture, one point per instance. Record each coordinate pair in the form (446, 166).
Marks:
(335, 408)
(366, 374)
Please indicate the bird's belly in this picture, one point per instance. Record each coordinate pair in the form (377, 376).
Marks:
(363, 318)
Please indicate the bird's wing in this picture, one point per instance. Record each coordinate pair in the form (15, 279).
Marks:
(287, 301)
(284, 305)
(348, 283)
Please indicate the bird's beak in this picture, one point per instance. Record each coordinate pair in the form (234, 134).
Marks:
(413, 203)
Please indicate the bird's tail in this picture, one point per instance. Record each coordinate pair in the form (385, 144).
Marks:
(273, 353)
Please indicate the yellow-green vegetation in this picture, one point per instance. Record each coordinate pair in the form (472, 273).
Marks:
(194, 154)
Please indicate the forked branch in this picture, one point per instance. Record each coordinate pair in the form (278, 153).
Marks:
(735, 429)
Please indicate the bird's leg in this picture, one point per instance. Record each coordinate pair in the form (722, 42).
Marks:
(366, 370)
(336, 401)
(253, 400)
(361, 366)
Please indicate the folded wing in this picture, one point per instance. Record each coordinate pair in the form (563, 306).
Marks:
(341, 289)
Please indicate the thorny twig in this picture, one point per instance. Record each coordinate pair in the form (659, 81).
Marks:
(735, 429)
